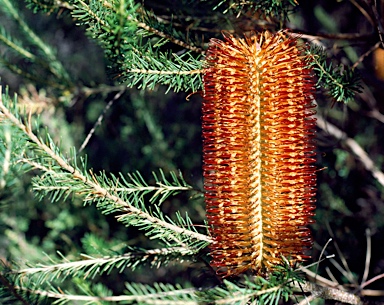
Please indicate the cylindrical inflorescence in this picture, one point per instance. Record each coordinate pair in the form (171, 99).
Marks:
(258, 152)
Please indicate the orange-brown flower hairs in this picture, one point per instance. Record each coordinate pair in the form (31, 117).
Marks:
(258, 147)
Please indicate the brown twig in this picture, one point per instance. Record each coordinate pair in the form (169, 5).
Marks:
(346, 271)
(167, 36)
(321, 255)
(377, 20)
(377, 277)
(100, 119)
(361, 58)
(355, 148)
(363, 12)
(329, 293)
(372, 293)
(11, 288)
(337, 36)
(367, 256)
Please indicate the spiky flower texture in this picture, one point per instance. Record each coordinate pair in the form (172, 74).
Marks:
(258, 147)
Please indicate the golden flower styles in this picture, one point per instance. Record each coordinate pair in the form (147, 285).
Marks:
(258, 152)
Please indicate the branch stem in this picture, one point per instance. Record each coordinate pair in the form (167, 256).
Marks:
(355, 148)
(329, 293)
(98, 191)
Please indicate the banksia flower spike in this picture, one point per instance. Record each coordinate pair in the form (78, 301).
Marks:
(258, 151)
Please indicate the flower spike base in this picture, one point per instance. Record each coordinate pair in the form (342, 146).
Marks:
(258, 131)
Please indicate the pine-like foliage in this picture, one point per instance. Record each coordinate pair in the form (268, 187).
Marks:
(341, 82)
(101, 188)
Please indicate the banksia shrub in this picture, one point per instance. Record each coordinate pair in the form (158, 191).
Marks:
(258, 136)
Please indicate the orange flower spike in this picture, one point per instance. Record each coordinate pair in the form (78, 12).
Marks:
(258, 136)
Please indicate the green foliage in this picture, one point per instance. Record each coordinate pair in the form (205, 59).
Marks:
(269, 8)
(47, 6)
(267, 291)
(124, 232)
(134, 51)
(106, 261)
(178, 73)
(119, 196)
(9, 295)
(9, 153)
(51, 64)
(341, 82)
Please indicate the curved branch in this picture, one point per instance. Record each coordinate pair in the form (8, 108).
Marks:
(328, 293)
(337, 36)
(355, 148)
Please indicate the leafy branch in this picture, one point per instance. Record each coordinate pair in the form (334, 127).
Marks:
(342, 82)
(273, 8)
(150, 25)
(132, 43)
(279, 285)
(98, 188)
(91, 266)
(177, 72)
(10, 294)
(55, 66)
(48, 6)
(15, 45)
(283, 283)
(132, 188)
